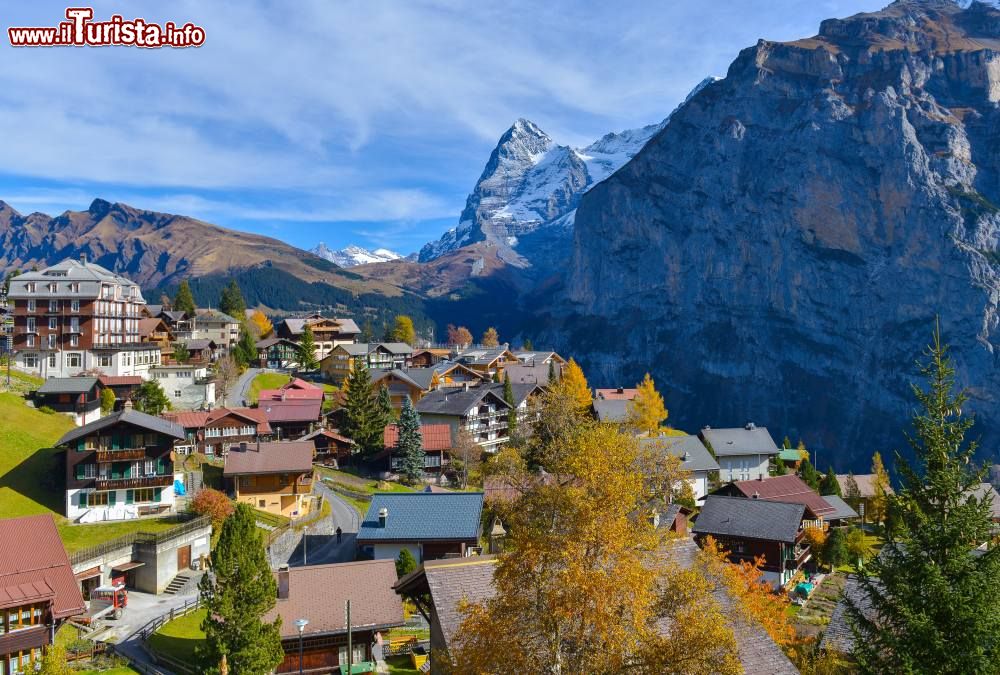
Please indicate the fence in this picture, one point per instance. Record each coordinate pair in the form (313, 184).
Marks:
(154, 625)
(189, 524)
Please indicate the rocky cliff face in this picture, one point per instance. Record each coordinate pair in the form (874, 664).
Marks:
(779, 251)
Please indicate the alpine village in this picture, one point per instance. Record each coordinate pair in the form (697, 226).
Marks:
(239, 473)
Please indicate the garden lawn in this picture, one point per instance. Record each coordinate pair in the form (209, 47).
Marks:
(401, 665)
(124, 670)
(32, 478)
(179, 638)
(267, 381)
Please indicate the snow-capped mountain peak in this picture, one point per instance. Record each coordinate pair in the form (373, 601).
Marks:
(352, 255)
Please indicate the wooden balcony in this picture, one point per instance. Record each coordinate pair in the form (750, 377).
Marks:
(132, 483)
(122, 455)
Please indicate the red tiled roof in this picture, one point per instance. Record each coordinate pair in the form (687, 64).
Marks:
(436, 436)
(789, 488)
(301, 385)
(292, 410)
(197, 419)
(320, 593)
(615, 394)
(120, 380)
(289, 395)
(282, 457)
(34, 566)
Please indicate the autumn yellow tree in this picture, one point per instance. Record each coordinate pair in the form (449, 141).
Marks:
(878, 503)
(577, 589)
(490, 338)
(576, 384)
(459, 336)
(403, 330)
(260, 325)
(646, 411)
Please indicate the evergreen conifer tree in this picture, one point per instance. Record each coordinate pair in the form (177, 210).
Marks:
(508, 396)
(237, 592)
(383, 407)
(232, 303)
(829, 485)
(552, 372)
(362, 422)
(935, 601)
(410, 446)
(245, 351)
(307, 350)
(808, 473)
(184, 300)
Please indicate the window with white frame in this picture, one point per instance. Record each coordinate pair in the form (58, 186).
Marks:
(53, 305)
(51, 341)
(74, 306)
(53, 323)
(104, 361)
(31, 305)
(52, 360)
(73, 360)
(31, 325)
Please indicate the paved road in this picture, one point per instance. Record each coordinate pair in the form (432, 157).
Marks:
(320, 544)
(239, 393)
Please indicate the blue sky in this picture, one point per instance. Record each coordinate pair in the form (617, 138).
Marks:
(348, 122)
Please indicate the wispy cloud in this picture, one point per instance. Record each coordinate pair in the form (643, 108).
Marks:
(348, 112)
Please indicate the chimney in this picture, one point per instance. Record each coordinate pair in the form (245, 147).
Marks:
(465, 386)
(83, 259)
(383, 515)
(621, 390)
(243, 446)
(284, 582)
(750, 426)
(655, 519)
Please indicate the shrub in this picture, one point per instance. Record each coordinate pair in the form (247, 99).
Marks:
(212, 503)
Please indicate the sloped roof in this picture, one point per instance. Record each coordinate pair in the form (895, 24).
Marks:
(276, 457)
(484, 356)
(611, 411)
(198, 419)
(742, 441)
(214, 315)
(292, 410)
(749, 518)
(454, 401)
(149, 325)
(694, 455)
(271, 341)
(329, 434)
(296, 326)
(865, 482)
(199, 345)
(790, 455)
(422, 516)
(838, 635)
(520, 390)
(120, 380)
(841, 509)
(538, 374)
(435, 436)
(89, 275)
(34, 565)
(320, 593)
(68, 385)
(126, 416)
(788, 488)
(617, 394)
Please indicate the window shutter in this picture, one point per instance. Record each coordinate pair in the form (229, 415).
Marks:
(129, 496)
(79, 472)
(114, 442)
(115, 471)
(159, 466)
(156, 494)
(81, 445)
(112, 497)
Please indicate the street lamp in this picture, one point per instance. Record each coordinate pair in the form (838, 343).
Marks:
(301, 625)
(305, 539)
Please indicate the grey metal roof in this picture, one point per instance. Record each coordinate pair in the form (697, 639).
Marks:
(345, 326)
(615, 410)
(482, 356)
(214, 315)
(423, 516)
(393, 347)
(89, 275)
(838, 635)
(694, 455)
(520, 390)
(455, 401)
(199, 344)
(68, 385)
(127, 416)
(742, 441)
(749, 518)
(841, 509)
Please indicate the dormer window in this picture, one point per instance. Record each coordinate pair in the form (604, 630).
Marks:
(30, 286)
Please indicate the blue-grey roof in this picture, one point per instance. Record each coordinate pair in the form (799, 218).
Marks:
(841, 509)
(611, 411)
(455, 401)
(128, 416)
(694, 456)
(749, 518)
(748, 440)
(67, 385)
(423, 516)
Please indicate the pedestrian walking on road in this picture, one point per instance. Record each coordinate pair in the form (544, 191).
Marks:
(339, 532)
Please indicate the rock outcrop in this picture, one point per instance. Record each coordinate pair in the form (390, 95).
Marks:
(780, 250)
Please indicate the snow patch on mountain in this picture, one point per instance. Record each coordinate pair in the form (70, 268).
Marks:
(350, 256)
(531, 182)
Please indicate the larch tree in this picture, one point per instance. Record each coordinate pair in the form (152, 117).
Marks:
(307, 350)
(238, 591)
(852, 493)
(879, 501)
(574, 543)
(184, 300)
(403, 330)
(231, 302)
(646, 411)
(262, 326)
(527, 345)
(490, 338)
(410, 446)
(576, 385)
(552, 372)
(107, 401)
(934, 599)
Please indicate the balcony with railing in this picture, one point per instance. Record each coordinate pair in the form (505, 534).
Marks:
(120, 455)
(131, 483)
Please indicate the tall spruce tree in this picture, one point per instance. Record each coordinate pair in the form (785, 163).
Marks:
(808, 474)
(508, 396)
(552, 371)
(935, 601)
(237, 593)
(232, 303)
(410, 446)
(361, 417)
(245, 351)
(184, 300)
(307, 350)
(829, 484)
(383, 407)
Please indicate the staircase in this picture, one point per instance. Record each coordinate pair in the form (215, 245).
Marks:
(177, 583)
